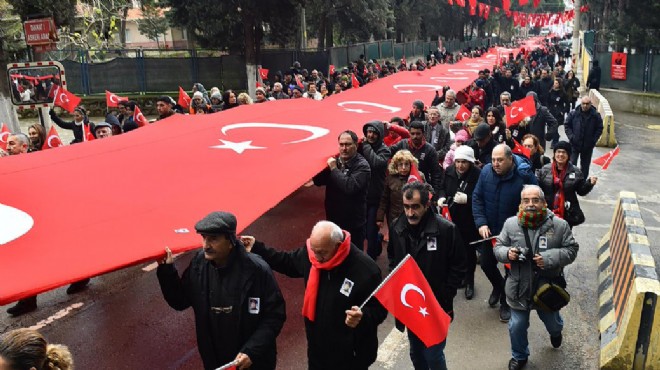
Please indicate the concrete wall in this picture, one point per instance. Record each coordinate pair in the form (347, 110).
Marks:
(631, 101)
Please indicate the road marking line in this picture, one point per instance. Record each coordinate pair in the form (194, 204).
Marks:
(607, 226)
(58, 315)
(154, 265)
(392, 347)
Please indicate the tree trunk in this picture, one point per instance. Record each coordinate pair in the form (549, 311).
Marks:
(7, 110)
(320, 34)
(329, 41)
(122, 27)
(250, 52)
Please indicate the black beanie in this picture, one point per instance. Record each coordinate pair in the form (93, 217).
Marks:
(565, 146)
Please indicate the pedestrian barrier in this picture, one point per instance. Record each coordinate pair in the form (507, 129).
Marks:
(607, 138)
(628, 292)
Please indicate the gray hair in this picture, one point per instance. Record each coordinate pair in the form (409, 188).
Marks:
(451, 92)
(277, 84)
(22, 138)
(336, 234)
(533, 187)
(505, 94)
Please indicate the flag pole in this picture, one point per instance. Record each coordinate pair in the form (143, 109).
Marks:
(227, 366)
(385, 280)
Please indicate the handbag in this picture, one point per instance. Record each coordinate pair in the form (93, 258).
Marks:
(550, 294)
(574, 215)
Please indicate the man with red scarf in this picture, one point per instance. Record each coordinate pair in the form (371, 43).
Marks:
(339, 277)
(538, 245)
(425, 153)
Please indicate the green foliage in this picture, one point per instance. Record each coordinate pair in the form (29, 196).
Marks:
(63, 11)
(153, 24)
(11, 30)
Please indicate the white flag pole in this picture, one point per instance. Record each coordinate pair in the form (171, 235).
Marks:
(386, 280)
(227, 366)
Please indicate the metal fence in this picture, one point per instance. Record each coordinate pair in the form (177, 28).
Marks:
(144, 70)
(642, 69)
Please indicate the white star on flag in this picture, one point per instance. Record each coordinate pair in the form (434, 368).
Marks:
(239, 147)
(423, 311)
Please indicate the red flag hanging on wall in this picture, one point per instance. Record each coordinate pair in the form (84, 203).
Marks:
(506, 5)
(408, 296)
(52, 140)
(523, 2)
(486, 11)
(461, 3)
(481, 9)
(536, 3)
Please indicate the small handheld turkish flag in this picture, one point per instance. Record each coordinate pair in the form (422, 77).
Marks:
(519, 149)
(87, 133)
(184, 99)
(407, 295)
(52, 140)
(463, 114)
(445, 213)
(519, 110)
(299, 82)
(605, 160)
(354, 81)
(139, 118)
(263, 73)
(4, 136)
(331, 70)
(65, 99)
(112, 99)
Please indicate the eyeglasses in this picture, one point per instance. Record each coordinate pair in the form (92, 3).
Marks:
(531, 200)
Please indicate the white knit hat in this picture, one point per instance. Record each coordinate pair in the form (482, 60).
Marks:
(198, 94)
(464, 152)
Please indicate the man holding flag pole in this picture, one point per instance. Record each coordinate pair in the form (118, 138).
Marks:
(339, 278)
(435, 245)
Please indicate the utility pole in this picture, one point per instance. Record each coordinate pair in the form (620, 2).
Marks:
(575, 52)
(303, 28)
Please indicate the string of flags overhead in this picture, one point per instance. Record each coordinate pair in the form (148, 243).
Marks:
(519, 18)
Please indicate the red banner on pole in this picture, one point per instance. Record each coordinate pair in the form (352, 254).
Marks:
(619, 62)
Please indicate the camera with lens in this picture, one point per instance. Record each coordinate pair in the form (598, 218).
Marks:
(522, 253)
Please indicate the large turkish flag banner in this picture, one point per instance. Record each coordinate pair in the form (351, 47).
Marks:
(408, 296)
(244, 160)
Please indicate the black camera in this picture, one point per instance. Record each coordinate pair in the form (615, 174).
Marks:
(522, 253)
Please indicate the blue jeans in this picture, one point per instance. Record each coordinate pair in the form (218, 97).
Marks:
(519, 324)
(374, 243)
(432, 358)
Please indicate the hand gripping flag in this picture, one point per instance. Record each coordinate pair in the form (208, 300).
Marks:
(4, 136)
(519, 110)
(112, 99)
(65, 99)
(52, 140)
(463, 114)
(407, 295)
(605, 160)
(184, 99)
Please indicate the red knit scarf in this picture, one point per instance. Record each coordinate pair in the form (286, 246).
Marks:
(558, 186)
(415, 148)
(309, 303)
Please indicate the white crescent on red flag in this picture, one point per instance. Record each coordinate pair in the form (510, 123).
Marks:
(139, 118)
(112, 99)
(4, 136)
(263, 73)
(463, 114)
(519, 110)
(407, 295)
(52, 139)
(66, 99)
(232, 161)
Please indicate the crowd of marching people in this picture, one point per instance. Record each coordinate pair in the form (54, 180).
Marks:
(453, 190)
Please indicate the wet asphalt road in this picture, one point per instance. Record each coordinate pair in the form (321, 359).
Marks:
(122, 321)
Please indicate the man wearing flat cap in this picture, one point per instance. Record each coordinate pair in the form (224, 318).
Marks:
(482, 143)
(239, 309)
